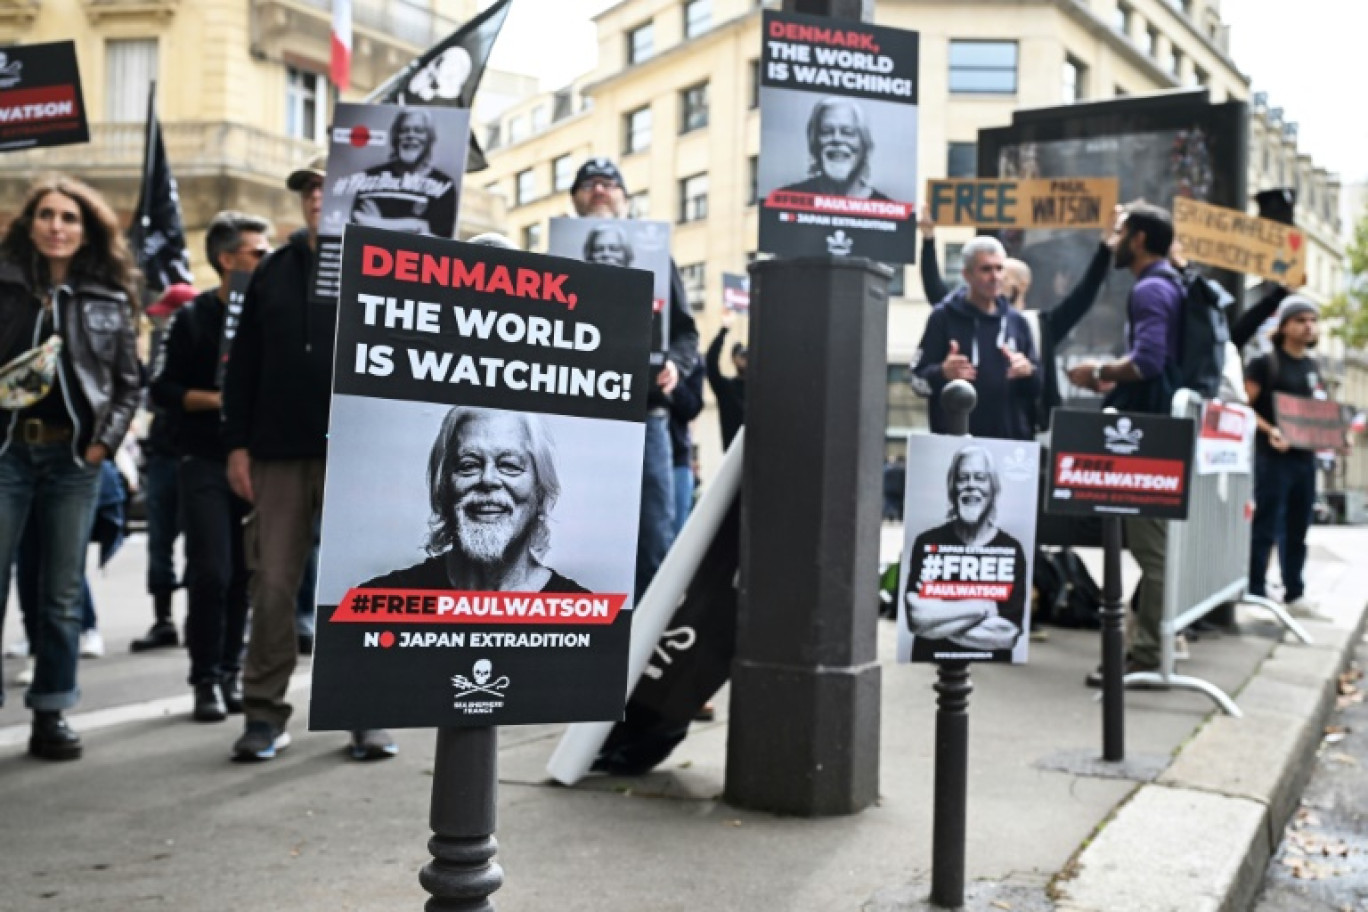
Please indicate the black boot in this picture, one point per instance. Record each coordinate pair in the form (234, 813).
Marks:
(52, 738)
(162, 633)
(208, 703)
(231, 688)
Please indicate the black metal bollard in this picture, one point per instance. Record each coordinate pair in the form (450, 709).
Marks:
(1113, 644)
(953, 687)
(465, 786)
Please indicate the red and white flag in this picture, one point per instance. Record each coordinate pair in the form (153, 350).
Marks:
(341, 44)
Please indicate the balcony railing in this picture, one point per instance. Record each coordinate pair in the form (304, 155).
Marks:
(401, 19)
(193, 148)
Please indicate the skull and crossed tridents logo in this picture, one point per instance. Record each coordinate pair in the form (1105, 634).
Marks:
(484, 683)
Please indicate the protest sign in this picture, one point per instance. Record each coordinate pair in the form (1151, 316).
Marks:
(1117, 464)
(838, 136)
(736, 292)
(232, 316)
(1230, 239)
(1057, 202)
(965, 594)
(1225, 444)
(636, 243)
(1310, 424)
(40, 96)
(392, 167)
(483, 487)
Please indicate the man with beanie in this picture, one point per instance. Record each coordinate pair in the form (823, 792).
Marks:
(1284, 478)
(599, 192)
(276, 396)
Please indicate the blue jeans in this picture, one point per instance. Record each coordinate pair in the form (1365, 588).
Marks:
(656, 530)
(163, 522)
(683, 495)
(62, 493)
(29, 563)
(1284, 499)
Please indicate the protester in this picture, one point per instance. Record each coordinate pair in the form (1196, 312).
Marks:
(162, 492)
(1143, 381)
(65, 271)
(685, 404)
(730, 392)
(186, 386)
(1284, 478)
(976, 335)
(276, 397)
(598, 192)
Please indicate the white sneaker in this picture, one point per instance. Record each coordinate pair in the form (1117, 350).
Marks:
(1306, 609)
(25, 675)
(92, 644)
(17, 650)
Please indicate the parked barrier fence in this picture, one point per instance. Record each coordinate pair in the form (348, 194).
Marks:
(1207, 566)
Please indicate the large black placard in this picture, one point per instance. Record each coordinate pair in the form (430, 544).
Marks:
(40, 96)
(1119, 464)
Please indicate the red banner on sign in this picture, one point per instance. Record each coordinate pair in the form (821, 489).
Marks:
(839, 205)
(444, 606)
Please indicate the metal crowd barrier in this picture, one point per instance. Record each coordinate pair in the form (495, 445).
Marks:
(1207, 566)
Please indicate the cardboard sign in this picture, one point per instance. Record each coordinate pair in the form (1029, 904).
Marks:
(1310, 424)
(1057, 202)
(392, 167)
(965, 592)
(736, 292)
(639, 244)
(1225, 444)
(40, 96)
(1116, 463)
(1230, 239)
(483, 488)
(232, 316)
(838, 124)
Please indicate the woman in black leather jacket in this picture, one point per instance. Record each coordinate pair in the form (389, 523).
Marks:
(65, 271)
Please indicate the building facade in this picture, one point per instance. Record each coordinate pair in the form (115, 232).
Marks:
(674, 99)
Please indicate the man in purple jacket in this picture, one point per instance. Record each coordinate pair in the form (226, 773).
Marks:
(1144, 380)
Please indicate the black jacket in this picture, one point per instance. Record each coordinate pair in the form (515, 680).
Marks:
(685, 403)
(683, 343)
(188, 360)
(99, 375)
(278, 384)
(730, 391)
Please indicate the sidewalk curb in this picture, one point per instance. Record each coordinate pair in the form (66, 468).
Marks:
(1199, 837)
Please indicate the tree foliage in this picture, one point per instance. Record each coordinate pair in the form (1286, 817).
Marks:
(1347, 312)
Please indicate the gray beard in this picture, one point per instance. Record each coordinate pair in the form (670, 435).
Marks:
(490, 542)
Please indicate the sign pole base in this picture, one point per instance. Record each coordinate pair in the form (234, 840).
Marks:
(465, 781)
(1113, 645)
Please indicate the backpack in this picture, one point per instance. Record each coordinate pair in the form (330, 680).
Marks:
(1203, 335)
(1066, 590)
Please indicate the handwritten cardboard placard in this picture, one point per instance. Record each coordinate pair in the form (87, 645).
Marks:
(1056, 202)
(1230, 239)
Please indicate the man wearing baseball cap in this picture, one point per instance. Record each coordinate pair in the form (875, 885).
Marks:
(1284, 478)
(276, 395)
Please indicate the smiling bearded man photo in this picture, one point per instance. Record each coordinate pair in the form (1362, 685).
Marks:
(839, 145)
(406, 193)
(963, 598)
(492, 484)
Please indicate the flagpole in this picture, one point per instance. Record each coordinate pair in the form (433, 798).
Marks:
(142, 214)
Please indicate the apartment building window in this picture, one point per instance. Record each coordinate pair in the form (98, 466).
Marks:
(693, 198)
(983, 67)
(1122, 22)
(494, 135)
(954, 267)
(532, 237)
(639, 205)
(1175, 61)
(1151, 41)
(961, 159)
(636, 130)
(1200, 76)
(693, 108)
(697, 17)
(130, 66)
(753, 180)
(640, 43)
(305, 104)
(753, 87)
(562, 172)
(1075, 79)
(525, 187)
(695, 276)
(517, 129)
(1182, 6)
(538, 119)
(1121, 92)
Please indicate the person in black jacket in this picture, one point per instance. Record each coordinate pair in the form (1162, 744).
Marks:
(685, 404)
(276, 396)
(598, 191)
(186, 387)
(729, 391)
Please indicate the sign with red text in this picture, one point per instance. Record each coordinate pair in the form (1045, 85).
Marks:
(1310, 424)
(1231, 239)
(1225, 443)
(483, 486)
(965, 593)
(837, 174)
(1119, 464)
(40, 96)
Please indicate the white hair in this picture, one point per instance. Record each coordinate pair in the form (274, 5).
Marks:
(978, 246)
